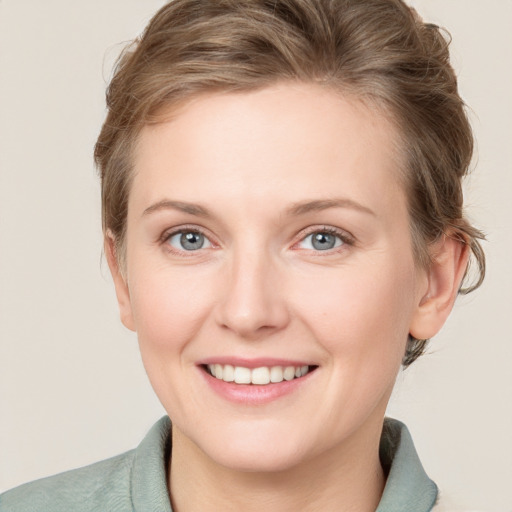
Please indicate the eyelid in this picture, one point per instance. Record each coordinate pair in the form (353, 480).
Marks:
(186, 228)
(346, 237)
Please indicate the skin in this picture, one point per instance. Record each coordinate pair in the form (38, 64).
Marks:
(258, 288)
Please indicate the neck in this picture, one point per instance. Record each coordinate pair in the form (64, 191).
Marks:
(347, 478)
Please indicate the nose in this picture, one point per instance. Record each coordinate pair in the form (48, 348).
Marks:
(252, 303)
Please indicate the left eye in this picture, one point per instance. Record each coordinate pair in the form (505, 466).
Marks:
(321, 241)
(189, 241)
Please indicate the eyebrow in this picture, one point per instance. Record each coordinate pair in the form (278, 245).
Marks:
(190, 208)
(296, 209)
(323, 204)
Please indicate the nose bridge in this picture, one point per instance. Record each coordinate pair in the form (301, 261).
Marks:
(252, 302)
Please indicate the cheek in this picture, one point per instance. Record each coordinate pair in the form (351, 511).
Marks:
(169, 309)
(360, 313)
(169, 306)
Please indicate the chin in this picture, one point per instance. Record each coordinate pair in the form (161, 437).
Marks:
(256, 450)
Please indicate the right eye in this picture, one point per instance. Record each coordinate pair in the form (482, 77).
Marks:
(322, 241)
(188, 241)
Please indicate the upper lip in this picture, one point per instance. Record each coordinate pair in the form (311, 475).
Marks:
(257, 362)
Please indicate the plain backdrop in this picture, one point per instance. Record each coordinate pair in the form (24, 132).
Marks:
(72, 387)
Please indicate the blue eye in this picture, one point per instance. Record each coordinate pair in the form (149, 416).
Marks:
(321, 241)
(189, 241)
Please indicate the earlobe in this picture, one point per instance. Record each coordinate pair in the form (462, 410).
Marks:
(120, 283)
(449, 262)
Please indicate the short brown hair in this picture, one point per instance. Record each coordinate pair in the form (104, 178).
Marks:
(378, 50)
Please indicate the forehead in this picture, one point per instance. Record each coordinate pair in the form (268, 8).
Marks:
(286, 141)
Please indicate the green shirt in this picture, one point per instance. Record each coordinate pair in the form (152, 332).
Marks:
(136, 480)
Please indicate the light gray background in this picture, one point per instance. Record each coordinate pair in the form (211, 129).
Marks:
(72, 388)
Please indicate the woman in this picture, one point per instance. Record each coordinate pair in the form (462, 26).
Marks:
(282, 209)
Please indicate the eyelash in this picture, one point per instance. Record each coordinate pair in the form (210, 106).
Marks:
(167, 235)
(345, 237)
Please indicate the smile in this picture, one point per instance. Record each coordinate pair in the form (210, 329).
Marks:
(258, 376)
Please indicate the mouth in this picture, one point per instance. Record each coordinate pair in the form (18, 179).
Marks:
(260, 376)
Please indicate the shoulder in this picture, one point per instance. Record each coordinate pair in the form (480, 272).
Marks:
(99, 487)
(135, 481)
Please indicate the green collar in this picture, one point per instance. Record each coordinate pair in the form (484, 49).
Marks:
(407, 486)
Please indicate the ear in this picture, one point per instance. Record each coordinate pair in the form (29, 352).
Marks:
(121, 286)
(449, 262)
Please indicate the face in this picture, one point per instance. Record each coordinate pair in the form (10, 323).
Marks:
(268, 242)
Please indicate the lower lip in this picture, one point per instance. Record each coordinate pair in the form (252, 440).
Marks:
(254, 394)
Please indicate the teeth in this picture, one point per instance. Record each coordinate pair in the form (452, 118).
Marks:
(259, 376)
(242, 375)
(276, 374)
(289, 373)
(228, 374)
